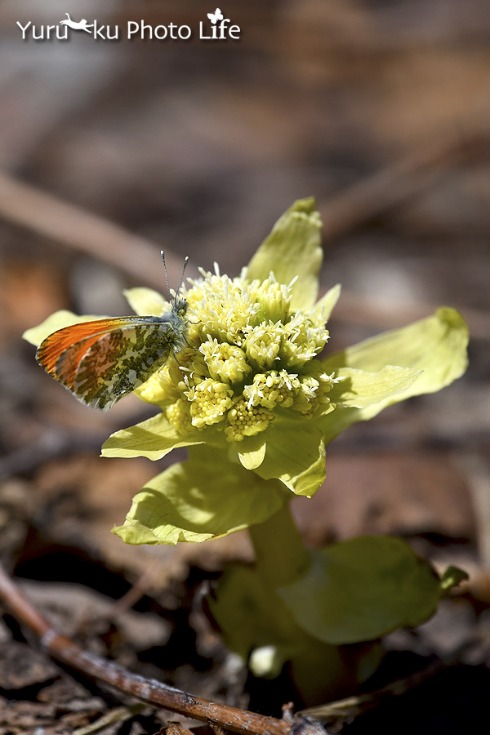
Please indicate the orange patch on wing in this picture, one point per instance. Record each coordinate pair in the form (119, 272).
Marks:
(86, 333)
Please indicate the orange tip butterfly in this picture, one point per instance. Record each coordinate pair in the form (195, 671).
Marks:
(103, 360)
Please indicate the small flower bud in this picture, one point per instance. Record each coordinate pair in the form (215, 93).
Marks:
(244, 420)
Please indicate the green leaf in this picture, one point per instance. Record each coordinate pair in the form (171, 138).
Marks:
(251, 616)
(293, 249)
(362, 389)
(361, 589)
(431, 351)
(436, 345)
(256, 623)
(251, 451)
(55, 321)
(146, 301)
(153, 438)
(203, 498)
(296, 456)
(324, 307)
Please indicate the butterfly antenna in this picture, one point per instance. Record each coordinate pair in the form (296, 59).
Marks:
(186, 261)
(166, 272)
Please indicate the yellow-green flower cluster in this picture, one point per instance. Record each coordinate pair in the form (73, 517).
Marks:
(249, 355)
(249, 394)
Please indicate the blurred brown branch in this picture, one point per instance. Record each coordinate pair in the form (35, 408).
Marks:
(44, 214)
(88, 233)
(407, 177)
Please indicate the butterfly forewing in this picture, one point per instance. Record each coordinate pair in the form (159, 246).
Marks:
(100, 361)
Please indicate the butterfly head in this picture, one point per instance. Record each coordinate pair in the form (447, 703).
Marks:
(179, 306)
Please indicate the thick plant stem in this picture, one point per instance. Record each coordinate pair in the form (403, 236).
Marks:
(280, 555)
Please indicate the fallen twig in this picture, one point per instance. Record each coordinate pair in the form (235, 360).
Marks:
(150, 691)
(115, 716)
(155, 693)
(350, 707)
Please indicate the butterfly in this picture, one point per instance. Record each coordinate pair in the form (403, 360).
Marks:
(217, 15)
(101, 361)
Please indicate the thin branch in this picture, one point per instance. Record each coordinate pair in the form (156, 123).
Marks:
(409, 175)
(150, 691)
(80, 230)
(45, 214)
(115, 716)
(73, 227)
(350, 707)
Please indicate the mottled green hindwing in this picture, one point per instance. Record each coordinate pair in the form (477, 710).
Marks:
(101, 361)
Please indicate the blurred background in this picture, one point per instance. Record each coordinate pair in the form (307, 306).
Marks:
(112, 150)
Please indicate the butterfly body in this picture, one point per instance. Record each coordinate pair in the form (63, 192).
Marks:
(101, 361)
